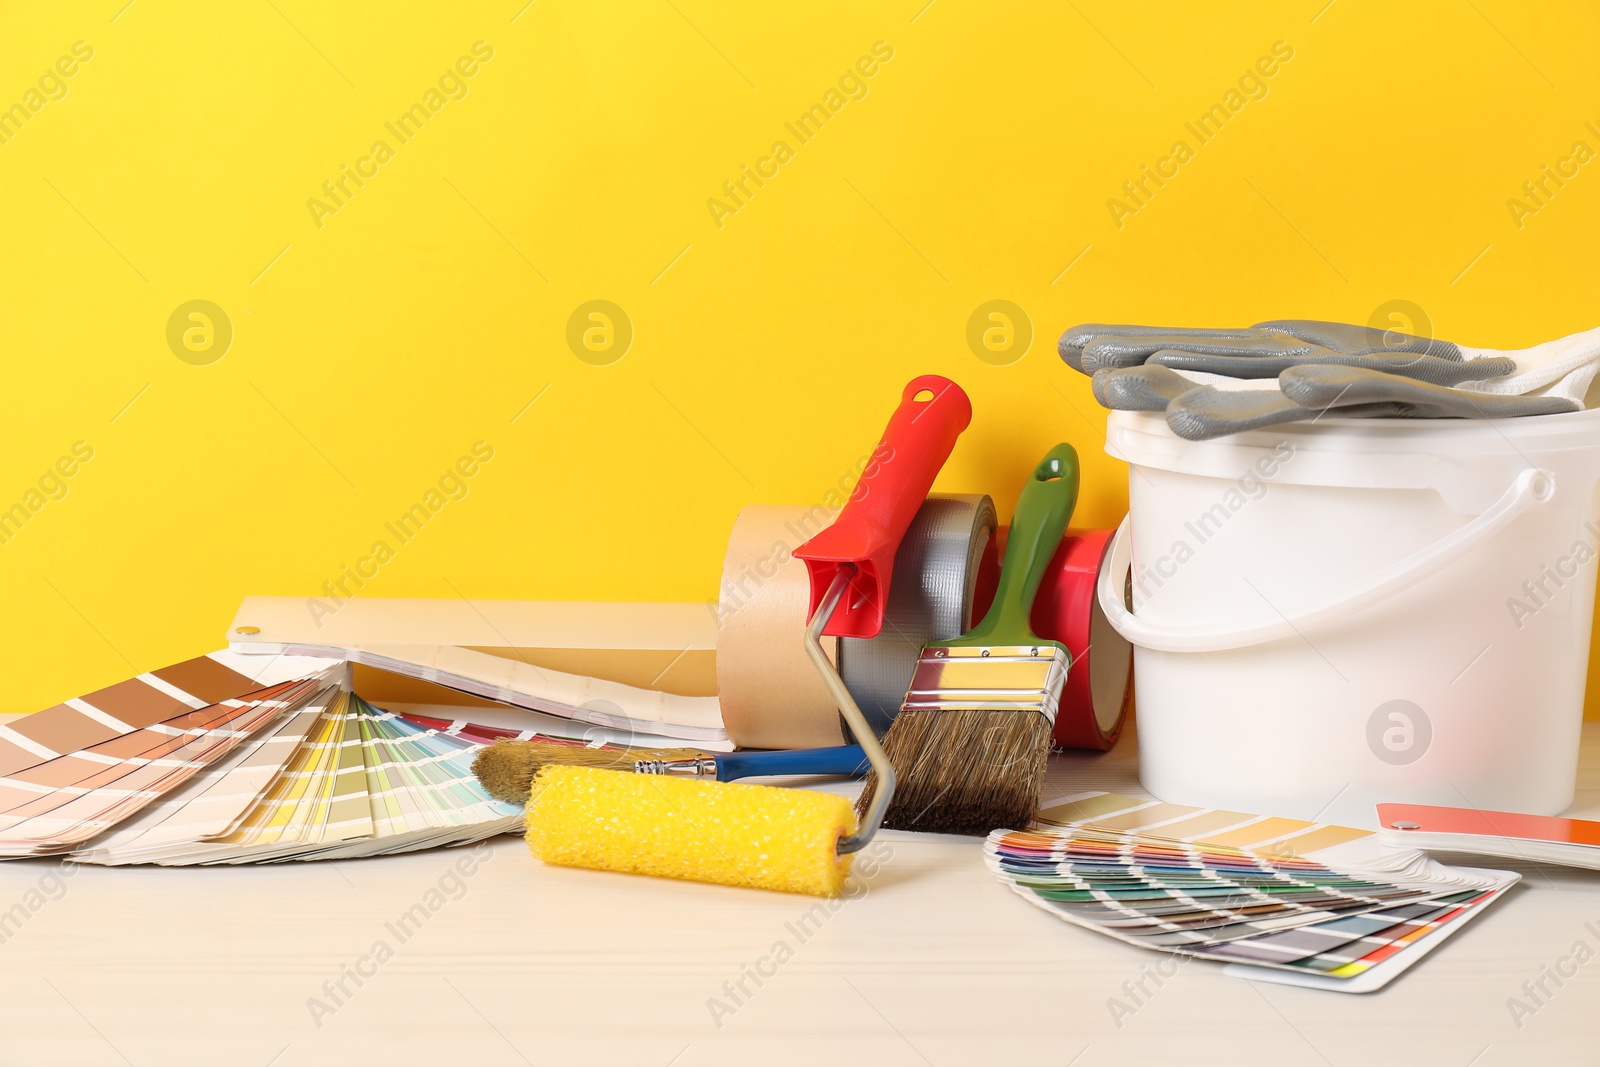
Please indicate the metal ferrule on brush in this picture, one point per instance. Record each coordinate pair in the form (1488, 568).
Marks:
(995, 678)
(693, 767)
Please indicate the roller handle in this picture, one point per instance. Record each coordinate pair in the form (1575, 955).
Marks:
(918, 440)
(1043, 511)
(844, 760)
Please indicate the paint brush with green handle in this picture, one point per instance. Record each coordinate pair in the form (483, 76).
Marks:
(970, 744)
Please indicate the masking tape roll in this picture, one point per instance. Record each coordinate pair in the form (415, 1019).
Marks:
(935, 577)
(770, 694)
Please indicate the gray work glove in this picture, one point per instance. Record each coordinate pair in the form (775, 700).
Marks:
(1269, 348)
(1200, 412)
(1212, 382)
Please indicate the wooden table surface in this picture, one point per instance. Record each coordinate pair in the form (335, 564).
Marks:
(504, 961)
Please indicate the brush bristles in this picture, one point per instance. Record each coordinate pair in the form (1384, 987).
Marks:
(506, 768)
(964, 772)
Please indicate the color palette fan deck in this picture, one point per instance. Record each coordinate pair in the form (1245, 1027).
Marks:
(228, 759)
(1284, 900)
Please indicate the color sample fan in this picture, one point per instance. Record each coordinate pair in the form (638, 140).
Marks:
(337, 780)
(237, 759)
(1297, 902)
(64, 801)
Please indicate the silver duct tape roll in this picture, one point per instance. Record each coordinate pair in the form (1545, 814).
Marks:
(930, 599)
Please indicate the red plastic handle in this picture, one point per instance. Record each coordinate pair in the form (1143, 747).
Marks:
(867, 532)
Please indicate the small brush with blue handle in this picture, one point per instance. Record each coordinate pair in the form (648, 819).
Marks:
(507, 767)
(844, 760)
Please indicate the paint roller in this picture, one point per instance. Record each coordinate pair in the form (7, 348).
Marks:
(760, 836)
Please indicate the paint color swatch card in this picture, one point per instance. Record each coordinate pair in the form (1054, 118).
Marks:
(531, 657)
(98, 759)
(150, 698)
(545, 698)
(522, 722)
(214, 803)
(340, 779)
(230, 758)
(1371, 960)
(1512, 836)
(1289, 900)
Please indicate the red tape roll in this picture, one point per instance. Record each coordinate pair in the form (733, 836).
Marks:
(1094, 702)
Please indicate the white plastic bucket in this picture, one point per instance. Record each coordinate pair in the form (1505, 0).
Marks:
(1330, 615)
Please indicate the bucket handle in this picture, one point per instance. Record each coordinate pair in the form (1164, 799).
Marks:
(1533, 486)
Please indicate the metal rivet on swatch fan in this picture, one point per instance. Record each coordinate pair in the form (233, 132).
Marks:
(247, 630)
(1403, 825)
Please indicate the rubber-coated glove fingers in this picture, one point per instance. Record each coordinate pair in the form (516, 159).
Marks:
(1422, 367)
(1139, 388)
(1198, 411)
(1361, 340)
(1268, 349)
(1322, 388)
(1195, 409)
(1207, 412)
(1129, 346)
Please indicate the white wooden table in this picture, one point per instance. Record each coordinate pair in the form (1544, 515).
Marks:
(936, 963)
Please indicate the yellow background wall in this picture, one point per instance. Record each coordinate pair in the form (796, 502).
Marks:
(372, 346)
